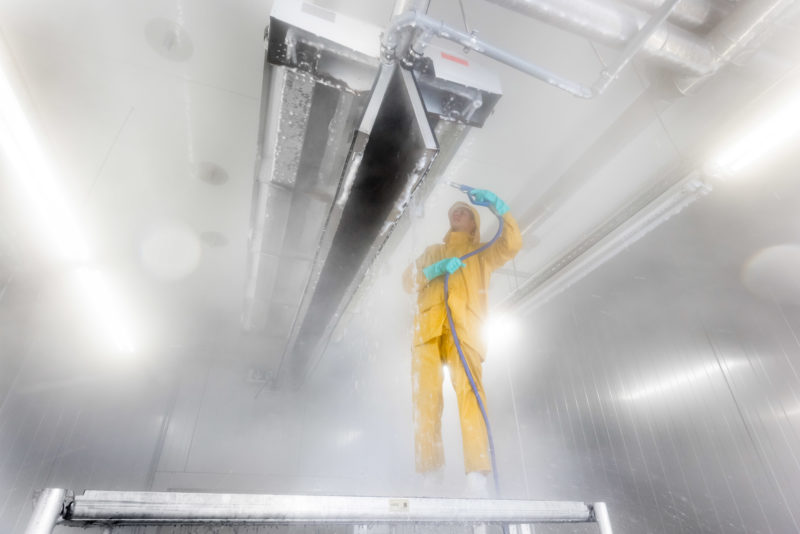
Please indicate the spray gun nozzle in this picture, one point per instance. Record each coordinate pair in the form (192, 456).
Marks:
(461, 187)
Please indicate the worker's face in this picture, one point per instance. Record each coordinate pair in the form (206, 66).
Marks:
(462, 220)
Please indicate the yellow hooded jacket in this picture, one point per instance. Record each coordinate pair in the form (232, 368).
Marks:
(468, 286)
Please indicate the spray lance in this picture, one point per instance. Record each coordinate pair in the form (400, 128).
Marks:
(478, 198)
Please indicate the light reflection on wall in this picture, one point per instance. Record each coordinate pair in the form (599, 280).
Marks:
(687, 378)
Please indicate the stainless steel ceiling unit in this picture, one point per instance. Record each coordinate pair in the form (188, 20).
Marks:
(344, 142)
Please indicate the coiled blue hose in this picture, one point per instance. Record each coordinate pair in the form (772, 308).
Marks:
(458, 342)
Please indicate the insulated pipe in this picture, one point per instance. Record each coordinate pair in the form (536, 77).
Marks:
(405, 6)
(401, 6)
(689, 14)
(634, 45)
(412, 22)
(748, 21)
(616, 25)
(415, 21)
(47, 512)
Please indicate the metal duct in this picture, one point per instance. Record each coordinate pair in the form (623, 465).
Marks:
(688, 14)
(401, 6)
(746, 24)
(391, 153)
(342, 144)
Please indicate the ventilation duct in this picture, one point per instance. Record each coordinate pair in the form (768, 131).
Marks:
(343, 144)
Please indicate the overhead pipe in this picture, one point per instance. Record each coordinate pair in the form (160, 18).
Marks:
(424, 28)
(634, 46)
(616, 25)
(697, 56)
(689, 14)
(413, 21)
(749, 21)
(401, 6)
(407, 6)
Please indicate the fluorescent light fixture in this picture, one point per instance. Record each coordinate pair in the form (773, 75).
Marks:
(501, 331)
(103, 307)
(50, 209)
(771, 132)
(638, 219)
(37, 183)
(679, 380)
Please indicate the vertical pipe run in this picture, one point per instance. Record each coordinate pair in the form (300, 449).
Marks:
(401, 6)
(47, 511)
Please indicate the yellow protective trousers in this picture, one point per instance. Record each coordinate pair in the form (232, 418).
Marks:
(427, 376)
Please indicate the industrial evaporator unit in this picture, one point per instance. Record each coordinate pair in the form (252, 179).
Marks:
(345, 140)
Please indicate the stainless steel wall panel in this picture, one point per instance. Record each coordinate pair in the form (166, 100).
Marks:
(236, 434)
(177, 444)
(663, 384)
(65, 425)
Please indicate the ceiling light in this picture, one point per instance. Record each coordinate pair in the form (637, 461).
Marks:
(103, 307)
(49, 208)
(48, 203)
(616, 234)
(775, 129)
(501, 332)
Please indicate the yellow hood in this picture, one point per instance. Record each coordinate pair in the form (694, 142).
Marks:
(476, 237)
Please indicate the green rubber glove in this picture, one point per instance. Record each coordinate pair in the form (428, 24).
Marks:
(447, 265)
(497, 205)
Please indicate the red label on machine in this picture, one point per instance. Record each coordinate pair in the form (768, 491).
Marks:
(456, 59)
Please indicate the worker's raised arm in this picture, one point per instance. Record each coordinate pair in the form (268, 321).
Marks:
(510, 240)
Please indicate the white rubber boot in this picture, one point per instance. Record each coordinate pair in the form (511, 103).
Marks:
(477, 485)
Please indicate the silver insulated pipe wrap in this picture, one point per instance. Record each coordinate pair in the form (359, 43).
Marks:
(616, 24)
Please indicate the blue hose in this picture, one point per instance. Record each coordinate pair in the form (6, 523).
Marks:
(458, 342)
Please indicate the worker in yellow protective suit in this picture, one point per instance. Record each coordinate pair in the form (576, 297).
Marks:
(433, 342)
